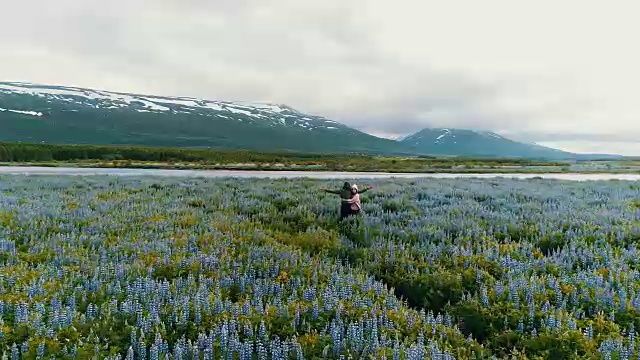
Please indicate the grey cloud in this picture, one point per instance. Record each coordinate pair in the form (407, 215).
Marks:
(319, 57)
(585, 137)
(315, 58)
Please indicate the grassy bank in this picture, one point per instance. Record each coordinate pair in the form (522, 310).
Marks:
(213, 159)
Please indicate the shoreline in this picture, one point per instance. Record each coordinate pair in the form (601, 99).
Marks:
(299, 169)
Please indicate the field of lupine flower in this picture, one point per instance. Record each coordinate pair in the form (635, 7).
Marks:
(156, 268)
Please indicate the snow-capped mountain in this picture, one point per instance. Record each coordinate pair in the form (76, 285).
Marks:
(72, 115)
(448, 136)
(59, 114)
(272, 114)
(475, 143)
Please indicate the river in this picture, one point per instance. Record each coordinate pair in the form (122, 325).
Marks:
(71, 171)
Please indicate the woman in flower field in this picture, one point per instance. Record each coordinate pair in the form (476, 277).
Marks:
(356, 204)
(345, 194)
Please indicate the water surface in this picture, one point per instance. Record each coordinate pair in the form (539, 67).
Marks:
(70, 171)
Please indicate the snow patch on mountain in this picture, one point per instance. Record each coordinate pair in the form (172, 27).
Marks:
(445, 133)
(32, 113)
(491, 134)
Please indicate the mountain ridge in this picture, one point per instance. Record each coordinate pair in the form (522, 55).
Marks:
(61, 114)
(88, 116)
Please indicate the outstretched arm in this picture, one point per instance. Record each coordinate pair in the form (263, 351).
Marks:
(337, 192)
(366, 189)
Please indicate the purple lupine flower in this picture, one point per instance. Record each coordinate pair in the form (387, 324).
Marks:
(40, 351)
(15, 353)
(262, 352)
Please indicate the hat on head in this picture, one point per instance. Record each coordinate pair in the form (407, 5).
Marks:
(354, 186)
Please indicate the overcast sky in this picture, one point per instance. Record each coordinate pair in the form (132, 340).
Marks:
(563, 73)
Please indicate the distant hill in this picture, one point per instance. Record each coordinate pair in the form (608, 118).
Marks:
(477, 143)
(69, 115)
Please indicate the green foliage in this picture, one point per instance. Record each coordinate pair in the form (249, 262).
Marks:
(314, 241)
(146, 157)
